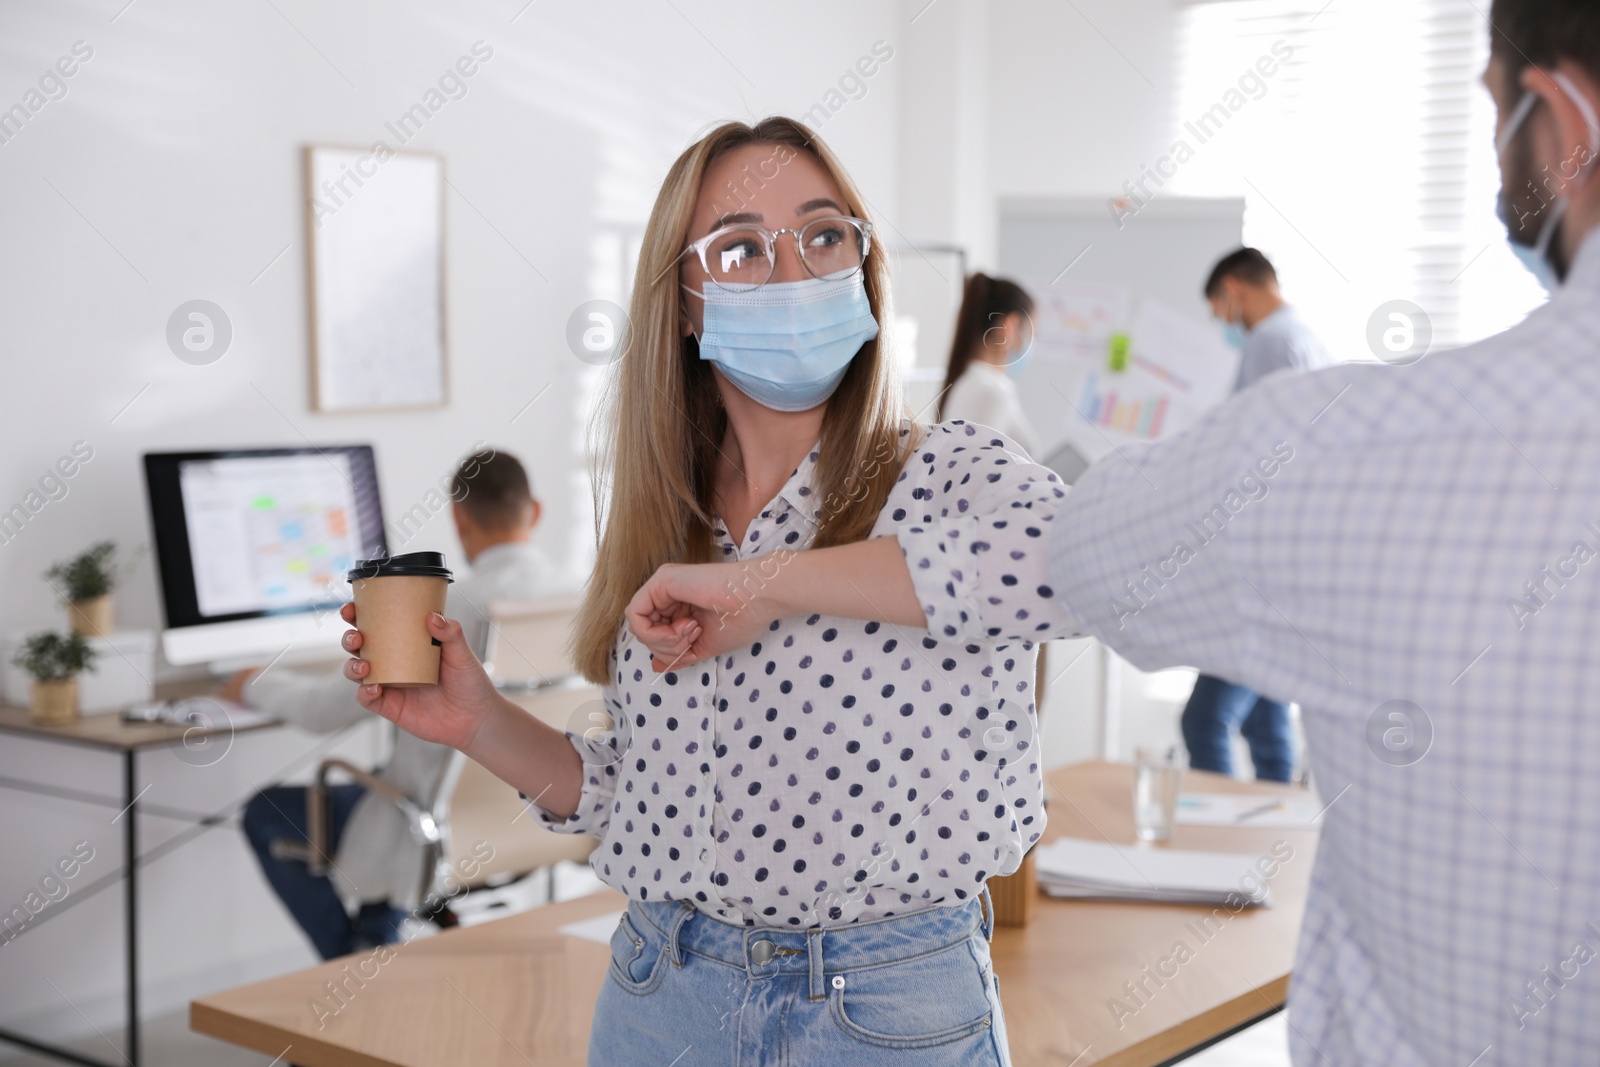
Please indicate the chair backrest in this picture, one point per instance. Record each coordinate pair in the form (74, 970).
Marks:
(486, 810)
(528, 639)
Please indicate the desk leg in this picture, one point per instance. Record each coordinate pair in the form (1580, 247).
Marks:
(130, 845)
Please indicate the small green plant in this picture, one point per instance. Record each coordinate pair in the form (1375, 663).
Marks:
(87, 575)
(54, 657)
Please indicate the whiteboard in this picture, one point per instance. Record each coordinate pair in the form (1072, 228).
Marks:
(375, 228)
(1159, 256)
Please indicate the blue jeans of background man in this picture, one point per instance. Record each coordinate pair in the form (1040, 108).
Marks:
(914, 990)
(280, 812)
(1216, 708)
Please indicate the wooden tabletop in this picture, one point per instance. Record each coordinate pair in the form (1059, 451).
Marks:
(1060, 974)
(513, 991)
(106, 730)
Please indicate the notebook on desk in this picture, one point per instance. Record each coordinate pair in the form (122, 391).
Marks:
(1097, 870)
(1225, 809)
(209, 713)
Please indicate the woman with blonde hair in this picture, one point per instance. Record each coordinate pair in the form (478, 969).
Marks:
(816, 656)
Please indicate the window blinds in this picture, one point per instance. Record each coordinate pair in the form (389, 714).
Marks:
(1362, 140)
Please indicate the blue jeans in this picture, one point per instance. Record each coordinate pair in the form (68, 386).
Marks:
(280, 812)
(911, 989)
(1217, 707)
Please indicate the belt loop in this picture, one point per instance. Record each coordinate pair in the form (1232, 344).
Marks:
(684, 915)
(819, 988)
(986, 913)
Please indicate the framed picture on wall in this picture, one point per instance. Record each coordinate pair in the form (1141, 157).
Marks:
(375, 270)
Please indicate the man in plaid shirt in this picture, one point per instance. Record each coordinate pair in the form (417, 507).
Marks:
(1412, 552)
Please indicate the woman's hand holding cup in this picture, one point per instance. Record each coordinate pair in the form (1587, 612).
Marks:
(450, 713)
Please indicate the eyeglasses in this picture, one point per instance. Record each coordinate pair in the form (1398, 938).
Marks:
(742, 257)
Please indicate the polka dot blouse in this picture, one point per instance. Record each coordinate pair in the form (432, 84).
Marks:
(838, 770)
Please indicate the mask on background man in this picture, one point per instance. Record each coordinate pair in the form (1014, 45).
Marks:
(1541, 251)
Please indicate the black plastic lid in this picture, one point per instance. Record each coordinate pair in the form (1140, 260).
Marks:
(410, 565)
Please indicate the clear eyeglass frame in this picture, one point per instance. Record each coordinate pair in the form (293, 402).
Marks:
(769, 238)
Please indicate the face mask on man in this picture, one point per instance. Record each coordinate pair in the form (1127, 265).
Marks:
(1233, 333)
(787, 345)
(1542, 253)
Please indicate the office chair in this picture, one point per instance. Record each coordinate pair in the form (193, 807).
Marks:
(427, 817)
(526, 655)
(488, 810)
(527, 642)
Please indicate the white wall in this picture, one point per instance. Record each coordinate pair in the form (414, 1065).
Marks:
(170, 171)
(1080, 94)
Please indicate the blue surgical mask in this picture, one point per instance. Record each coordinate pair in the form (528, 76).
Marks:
(1234, 334)
(787, 345)
(1540, 254)
(1019, 361)
(1536, 257)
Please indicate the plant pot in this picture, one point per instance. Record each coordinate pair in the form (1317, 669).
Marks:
(92, 617)
(1014, 894)
(55, 703)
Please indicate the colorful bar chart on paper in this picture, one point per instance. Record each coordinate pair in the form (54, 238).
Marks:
(1114, 406)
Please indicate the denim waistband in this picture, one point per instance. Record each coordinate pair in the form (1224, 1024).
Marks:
(765, 951)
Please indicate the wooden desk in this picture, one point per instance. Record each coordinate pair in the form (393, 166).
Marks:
(513, 991)
(108, 733)
(1059, 973)
(106, 730)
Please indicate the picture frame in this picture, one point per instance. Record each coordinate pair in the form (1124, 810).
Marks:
(375, 277)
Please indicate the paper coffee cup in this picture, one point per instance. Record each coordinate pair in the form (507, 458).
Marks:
(394, 597)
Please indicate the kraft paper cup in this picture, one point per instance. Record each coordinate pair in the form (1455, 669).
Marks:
(394, 598)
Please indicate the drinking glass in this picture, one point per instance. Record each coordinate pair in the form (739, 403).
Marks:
(1156, 774)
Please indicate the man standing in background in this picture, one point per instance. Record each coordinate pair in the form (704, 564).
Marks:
(1270, 336)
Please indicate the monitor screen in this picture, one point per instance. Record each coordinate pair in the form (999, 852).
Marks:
(249, 533)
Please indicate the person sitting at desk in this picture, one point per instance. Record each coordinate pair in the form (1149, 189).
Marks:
(377, 866)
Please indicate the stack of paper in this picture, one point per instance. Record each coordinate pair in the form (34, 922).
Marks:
(1096, 870)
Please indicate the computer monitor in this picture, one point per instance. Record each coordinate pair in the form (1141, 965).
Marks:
(253, 545)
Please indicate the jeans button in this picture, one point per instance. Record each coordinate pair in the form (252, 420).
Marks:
(761, 951)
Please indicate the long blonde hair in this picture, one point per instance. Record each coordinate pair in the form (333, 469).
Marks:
(660, 424)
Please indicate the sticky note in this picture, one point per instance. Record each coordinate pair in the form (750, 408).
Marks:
(1118, 355)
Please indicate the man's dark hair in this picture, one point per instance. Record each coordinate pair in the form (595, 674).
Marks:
(493, 488)
(1543, 32)
(1247, 264)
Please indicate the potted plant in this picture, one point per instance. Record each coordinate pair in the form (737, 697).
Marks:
(85, 583)
(53, 660)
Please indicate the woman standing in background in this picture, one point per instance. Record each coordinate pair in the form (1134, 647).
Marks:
(994, 337)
